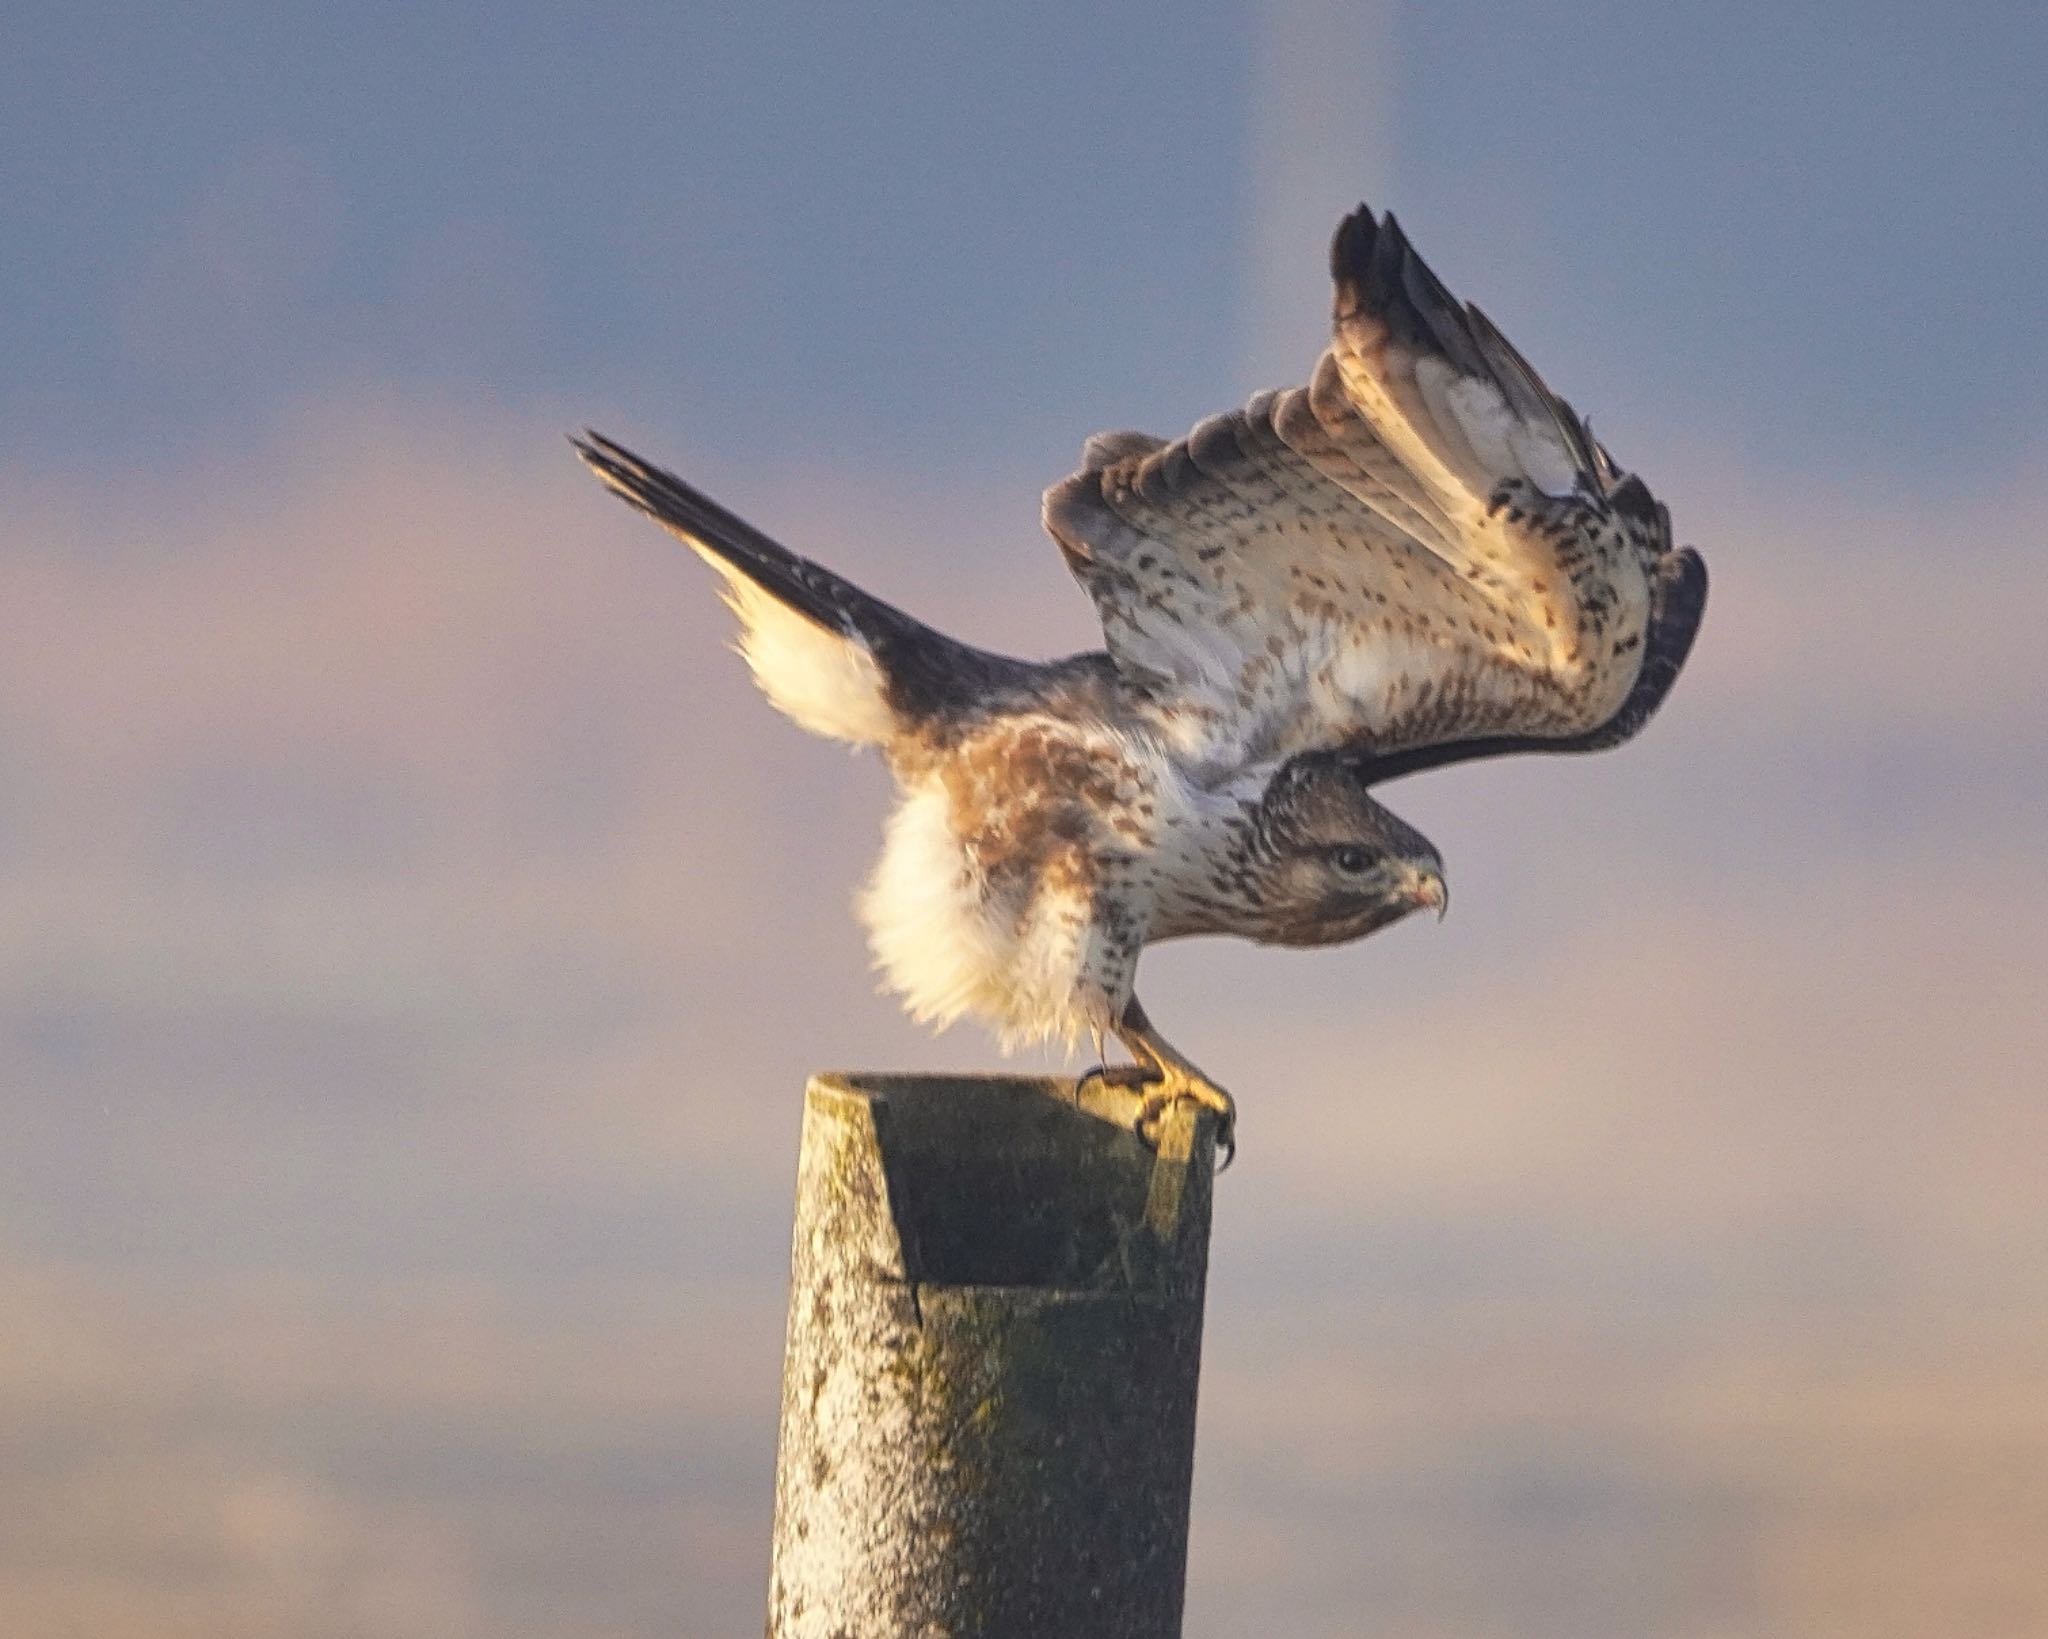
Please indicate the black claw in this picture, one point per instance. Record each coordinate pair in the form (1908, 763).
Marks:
(1118, 1075)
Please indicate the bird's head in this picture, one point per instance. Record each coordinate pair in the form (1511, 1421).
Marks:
(1331, 863)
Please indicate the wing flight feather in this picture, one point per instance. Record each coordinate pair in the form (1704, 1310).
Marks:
(1421, 556)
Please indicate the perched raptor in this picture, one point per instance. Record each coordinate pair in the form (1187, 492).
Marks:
(1423, 556)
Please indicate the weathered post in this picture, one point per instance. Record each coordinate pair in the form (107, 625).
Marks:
(988, 1399)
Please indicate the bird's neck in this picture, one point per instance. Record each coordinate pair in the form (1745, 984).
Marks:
(1209, 860)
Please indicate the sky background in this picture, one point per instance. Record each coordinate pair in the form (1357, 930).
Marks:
(416, 933)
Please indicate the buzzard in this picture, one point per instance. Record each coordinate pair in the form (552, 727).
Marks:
(1421, 557)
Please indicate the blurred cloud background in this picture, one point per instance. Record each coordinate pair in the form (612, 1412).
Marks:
(417, 934)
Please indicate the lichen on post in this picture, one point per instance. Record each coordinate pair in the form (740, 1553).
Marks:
(988, 1399)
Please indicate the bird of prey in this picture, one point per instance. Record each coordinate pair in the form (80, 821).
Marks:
(1421, 557)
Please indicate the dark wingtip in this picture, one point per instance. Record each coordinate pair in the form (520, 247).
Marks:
(1352, 250)
(1378, 272)
(1383, 275)
(1633, 496)
(1351, 245)
(1681, 603)
(1678, 602)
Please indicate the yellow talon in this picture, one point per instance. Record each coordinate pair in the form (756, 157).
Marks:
(1173, 1083)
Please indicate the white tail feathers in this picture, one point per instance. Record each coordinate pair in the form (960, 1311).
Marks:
(824, 680)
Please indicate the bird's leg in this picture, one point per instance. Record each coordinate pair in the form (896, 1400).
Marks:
(1174, 1077)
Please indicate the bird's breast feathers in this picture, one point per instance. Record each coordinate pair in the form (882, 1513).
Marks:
(1018, 875)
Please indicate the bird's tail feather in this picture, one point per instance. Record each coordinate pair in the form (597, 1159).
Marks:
(815, 642)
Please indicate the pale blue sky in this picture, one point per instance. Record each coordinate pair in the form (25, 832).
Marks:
(965, 231)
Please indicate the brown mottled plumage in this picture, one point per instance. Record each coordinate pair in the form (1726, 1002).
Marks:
(1421, 557)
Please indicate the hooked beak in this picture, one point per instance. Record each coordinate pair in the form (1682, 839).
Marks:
(1430, 889)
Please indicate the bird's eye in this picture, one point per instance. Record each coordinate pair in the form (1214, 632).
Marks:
(1351, 860)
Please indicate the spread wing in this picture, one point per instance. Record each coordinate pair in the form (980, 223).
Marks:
(1421, 556)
